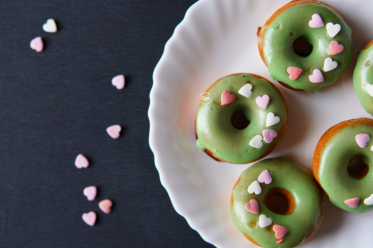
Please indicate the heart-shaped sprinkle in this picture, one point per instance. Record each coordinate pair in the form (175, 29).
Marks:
(256, 142)
(272, 119)
(37, 44)
(50, 26)
(227, 98)
(255, 188)
(81, 161)
(89, 218)
(114, 131)
(280, 231)
(118, 81)
(316, 77)
(369, 89)
(362, 139)
(280, 241)
(294, 72)
(352, 202)
(335, 48)
(369, 201)
(264, 221)
(265, 177)
(269, 135)
(329, 64)
(246, 90)
(333, 29)
(252, 206)
(90, 192)
(105, 206)
(262, 101)
(316, 21)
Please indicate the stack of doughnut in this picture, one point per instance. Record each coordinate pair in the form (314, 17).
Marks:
(306, 45)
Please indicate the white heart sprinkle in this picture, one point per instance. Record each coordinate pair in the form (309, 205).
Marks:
(333, 29)
(369, 201)
(256, 142)
(272, 119)
(264, 221)
(255, 188)
(246, 90)
(50, 26)
(329, 64)
(369, 89)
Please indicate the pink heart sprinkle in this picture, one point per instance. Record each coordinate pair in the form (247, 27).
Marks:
(280, 241)
(37, 44)
(362, 139)
(280, 231)
(89, 218)
(317, 76)
(265, 177)
(352, 202)
(294, 72)
(114, 131)
(81, 161)
(118, 81)
(105, 206)
(269, 135)
(316, 21)
(227, 98)
(252, 206)
(262, 101)
(90, 192)
(335, 48)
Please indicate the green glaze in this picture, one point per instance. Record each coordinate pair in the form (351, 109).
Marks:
(213, 122)
(287, 175)
(292, 24)
(334, 160)
(363, 75)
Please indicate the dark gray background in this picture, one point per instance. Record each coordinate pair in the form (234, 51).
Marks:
(58, 103)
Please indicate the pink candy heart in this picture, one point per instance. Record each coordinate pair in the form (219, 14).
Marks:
(269, 135)
(280, 231)
(335, 48)
(294, 72)
(252, 206)
(105, 206)
(262, 101)
(114, 131)
(265, 177)
(362, 139)
(90, 192)
(317, 76)
(118, 82)
(81, 161)
(89, 218)
(227, 98)
(352, 202)
(316, 21)
(37, 44)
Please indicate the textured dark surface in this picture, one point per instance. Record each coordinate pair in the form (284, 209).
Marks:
(58, 103)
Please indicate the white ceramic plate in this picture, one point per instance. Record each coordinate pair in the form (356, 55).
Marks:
(217, 38)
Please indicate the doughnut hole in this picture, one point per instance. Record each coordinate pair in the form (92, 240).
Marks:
(302, 47)
(239, 120)
(280, 201)
(357, 168)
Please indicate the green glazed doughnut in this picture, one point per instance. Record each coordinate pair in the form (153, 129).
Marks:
(256, 191)
(346, 189)
(258, 101)
(321, 27)
(363, 78)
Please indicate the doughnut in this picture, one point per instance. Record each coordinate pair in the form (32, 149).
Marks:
(363, 78)
(306, 45)
(346, 187)
(241, 118)
(276, 203)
